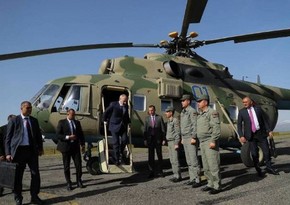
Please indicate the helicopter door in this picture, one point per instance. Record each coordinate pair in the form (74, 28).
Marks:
(111, 94)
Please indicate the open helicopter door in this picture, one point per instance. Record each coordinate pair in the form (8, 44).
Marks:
(110, 94)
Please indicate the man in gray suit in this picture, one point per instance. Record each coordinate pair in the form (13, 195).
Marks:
(23, 145)
(154, 136)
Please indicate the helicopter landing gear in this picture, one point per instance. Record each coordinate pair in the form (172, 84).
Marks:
(93, 166)
(93, 163)
(246, 155)
(55, 141)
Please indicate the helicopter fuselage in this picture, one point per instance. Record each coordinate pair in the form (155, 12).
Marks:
(160, 80)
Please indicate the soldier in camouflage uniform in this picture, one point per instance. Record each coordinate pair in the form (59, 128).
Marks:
(208, 133)
(189, 140)
(173, 140)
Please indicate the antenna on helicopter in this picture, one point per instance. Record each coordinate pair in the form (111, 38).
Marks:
(258, 79)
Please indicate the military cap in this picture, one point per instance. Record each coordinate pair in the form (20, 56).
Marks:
(185, 97)
(169, 109)
(202, 97)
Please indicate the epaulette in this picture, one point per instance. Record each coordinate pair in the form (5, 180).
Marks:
(215, 114)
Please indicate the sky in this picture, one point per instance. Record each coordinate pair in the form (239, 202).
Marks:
(38, 24)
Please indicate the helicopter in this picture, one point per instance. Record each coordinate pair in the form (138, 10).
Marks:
(158, 79)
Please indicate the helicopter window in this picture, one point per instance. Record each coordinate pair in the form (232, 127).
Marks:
(57, 104)
(45, 99)
(165, 104)
(35, 97)
(77, 99)
(139, 102)
(233, 112)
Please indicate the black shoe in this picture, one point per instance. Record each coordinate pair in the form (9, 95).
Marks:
(80, 184)
(151, 175)
(36, 200)
(214, 191)
(18, 201)
(260, 174)
(69, 187)
(195, 184)
(174, 180)
(161, 175)
(206, 188)
(1, 191)
(189, 183)
(272, 171)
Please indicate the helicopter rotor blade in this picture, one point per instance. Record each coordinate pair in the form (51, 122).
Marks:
(252, 37)
(71, 48)
(193, 13)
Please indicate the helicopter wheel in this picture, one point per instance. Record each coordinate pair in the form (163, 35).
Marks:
(93, 166)
(246, 155)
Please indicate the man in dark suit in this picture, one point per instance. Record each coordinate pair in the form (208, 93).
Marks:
(117, 114)
(3, 131)
(253, 127)
(70, 140)
(154, 137)
(23, 145)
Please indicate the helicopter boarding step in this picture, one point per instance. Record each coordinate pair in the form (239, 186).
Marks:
(105, 163)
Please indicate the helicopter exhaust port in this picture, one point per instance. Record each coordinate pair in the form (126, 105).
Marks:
(172, 69)
(106, 67)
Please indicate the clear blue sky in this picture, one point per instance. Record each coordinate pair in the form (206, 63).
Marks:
(37, 24)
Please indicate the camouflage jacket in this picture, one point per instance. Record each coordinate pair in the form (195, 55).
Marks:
(208, 125)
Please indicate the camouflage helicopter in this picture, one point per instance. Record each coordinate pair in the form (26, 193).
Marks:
(158, 79)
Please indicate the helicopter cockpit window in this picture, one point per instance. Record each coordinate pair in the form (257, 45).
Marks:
(45, 99)
(139, 102)
(77, 98)
(165, 104)
(233, 112)
(35, 97)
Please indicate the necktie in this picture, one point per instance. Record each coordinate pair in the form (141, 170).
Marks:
(152, 121)
(28, 128)
(253, 126)
(123, 109)
(73, 130)
(152, 125)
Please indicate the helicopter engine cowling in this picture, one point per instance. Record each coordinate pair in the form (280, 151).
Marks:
(172, 68)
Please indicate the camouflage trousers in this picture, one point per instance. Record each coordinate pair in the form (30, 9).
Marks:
(173, 156)
(211, 165)
(191, 160)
